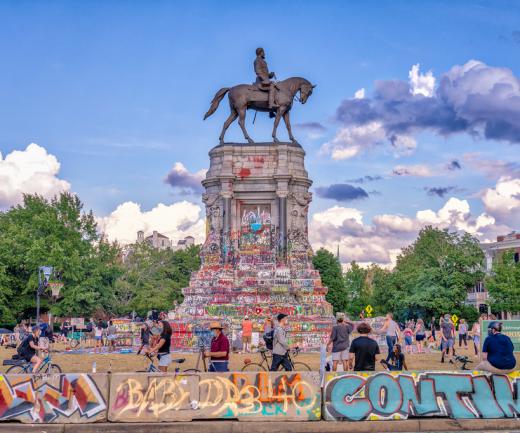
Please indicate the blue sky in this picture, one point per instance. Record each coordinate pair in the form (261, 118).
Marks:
(116, 92)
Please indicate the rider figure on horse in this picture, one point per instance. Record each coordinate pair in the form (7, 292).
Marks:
(263, 76)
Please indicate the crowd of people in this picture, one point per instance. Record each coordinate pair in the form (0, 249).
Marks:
(358, 354)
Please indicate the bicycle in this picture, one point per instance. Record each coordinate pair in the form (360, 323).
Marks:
(463, 360)
(152, 368)
(21, 366)
(264, 365)
(200, 359)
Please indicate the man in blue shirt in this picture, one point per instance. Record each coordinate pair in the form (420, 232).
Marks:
(497, 351)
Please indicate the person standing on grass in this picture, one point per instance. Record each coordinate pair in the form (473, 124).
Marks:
(145, 337)
(339, 342)
(281, 345)
(162, 348)
(420, 335)
(433, 325)
(463, 333)
(475, 333)
(365, 349)
(447, 338)
(111, 336)
(408, 339)
(247, 333)
(98, 336)
(393, 333)
(219, 353)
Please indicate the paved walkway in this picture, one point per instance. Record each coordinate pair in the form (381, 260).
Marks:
(419, 425)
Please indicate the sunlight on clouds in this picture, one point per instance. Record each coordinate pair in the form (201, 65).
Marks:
(29, 171)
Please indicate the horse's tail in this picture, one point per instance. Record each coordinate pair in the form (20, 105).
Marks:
(216, 100)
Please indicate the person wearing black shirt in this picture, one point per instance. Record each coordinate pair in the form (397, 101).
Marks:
(364, 349)
(145, 337)
(29, 346)
(162, 348)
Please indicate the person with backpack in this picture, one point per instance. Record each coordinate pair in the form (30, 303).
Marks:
(281, 345)
(28, 347)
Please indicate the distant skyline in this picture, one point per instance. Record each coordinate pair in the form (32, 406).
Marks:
(415, 118)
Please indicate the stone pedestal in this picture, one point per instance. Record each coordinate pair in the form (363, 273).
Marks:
(256, 259)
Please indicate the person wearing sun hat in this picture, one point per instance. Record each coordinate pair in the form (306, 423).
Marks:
(219, 352)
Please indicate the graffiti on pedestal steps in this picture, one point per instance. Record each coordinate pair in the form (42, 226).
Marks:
(381, 396)
(48, 399)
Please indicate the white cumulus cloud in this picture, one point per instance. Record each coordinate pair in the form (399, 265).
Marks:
(503, 201)
(421, 84)
(29, 171)
(176, 221)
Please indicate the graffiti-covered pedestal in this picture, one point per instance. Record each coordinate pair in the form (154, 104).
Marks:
(256, 259)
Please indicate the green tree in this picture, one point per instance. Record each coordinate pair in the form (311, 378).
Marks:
(331, 276)
(154, 278)
(58, 233)
(433, 275)
(357, 288)
(504, 283)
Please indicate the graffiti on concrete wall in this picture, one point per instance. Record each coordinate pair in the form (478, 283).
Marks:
(137, 398)
(57, 398)
(399, 396)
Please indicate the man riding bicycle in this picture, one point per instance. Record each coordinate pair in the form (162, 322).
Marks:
(29, 346)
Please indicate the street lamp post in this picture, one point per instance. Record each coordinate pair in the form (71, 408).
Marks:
(44, 274)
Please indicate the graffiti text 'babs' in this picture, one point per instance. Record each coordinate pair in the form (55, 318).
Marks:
(385, 396)
(231, 396)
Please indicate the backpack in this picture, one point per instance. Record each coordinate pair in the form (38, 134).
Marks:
(268, 339)
(22, 347)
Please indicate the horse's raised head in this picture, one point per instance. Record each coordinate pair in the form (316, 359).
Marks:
(306, 91)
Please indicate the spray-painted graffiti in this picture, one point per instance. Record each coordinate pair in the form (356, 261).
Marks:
(399, 396)
(262, 395)
(57, 398)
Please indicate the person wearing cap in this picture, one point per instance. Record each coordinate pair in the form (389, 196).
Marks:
(29, 346)
(247, 333)
(497, 351)
(281, 345)
(219, 353)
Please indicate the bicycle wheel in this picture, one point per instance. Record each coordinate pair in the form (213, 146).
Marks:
(53, 369)
(253, 366)
(301, 366)
(16, 369)
(74, 343)
(191, 370)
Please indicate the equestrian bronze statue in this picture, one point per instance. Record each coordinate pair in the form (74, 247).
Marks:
(264, 95)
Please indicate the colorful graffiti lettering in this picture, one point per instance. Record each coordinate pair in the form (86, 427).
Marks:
(232, 395)
(53, 398)
(399, 396)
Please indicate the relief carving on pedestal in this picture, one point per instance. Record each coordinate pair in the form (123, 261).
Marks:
(298, 221)
(214, 221)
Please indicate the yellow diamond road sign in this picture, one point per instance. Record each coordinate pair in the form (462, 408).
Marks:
(369, 309)
(454, 318)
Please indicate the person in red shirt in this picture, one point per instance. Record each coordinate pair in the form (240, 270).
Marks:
(219, 353)
(247, 333)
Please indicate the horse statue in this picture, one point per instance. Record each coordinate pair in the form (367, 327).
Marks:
(246, 96)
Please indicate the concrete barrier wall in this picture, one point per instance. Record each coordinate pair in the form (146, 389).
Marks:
(383, 396)
(142, 397)
(56, 398)
(245, 396)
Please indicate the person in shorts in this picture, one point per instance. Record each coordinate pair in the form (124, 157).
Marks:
(29, 346)
(447, 338)
(339, 343)
(111, 336)
(420, 335)
(162, 348)
(247, 333)
(98, 336)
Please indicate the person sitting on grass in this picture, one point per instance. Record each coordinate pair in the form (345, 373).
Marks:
(397, 360)
(29, 346)
(497, 351)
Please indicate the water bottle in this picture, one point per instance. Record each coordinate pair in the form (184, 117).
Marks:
(94, 367)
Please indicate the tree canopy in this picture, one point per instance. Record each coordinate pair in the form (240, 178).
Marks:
(504, 283)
